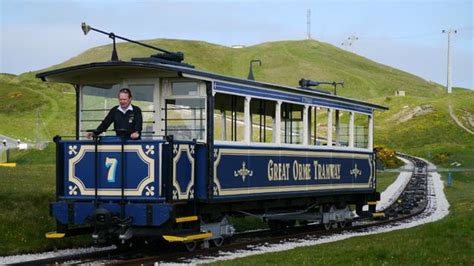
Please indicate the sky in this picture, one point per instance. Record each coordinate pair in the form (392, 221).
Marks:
(407, 35)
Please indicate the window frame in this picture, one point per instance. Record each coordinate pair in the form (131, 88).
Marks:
(166, 94)
(306, 142)
(125, 83)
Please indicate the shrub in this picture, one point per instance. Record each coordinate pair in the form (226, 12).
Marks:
(441, 157)
(387, 157)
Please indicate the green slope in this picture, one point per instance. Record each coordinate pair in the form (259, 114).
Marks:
(284, 62)
(432, 133)
(33, 111)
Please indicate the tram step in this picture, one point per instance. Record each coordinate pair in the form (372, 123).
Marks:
(53, 235)
(378, 215)
(185, 238)
(7, 164)
(186, 219)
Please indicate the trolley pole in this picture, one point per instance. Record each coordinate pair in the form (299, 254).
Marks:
(448, 85)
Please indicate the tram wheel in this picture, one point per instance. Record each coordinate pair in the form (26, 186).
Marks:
(190, 246)
(342, 224)
(327, 226)
(218, 241)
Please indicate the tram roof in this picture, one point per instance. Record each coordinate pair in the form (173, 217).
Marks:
(111, 72)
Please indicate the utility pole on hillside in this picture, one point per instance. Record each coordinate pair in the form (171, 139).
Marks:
(449, 32)
(350, 41)
(308, 25)
(38, 127)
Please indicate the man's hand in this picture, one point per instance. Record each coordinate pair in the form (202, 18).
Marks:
(89, 135)
(135, 135)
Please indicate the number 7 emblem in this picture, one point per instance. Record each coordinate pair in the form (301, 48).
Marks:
(111, 164)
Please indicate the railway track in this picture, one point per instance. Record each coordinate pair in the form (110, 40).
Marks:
(412, 202)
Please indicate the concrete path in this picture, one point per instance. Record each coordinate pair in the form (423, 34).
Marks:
(453, 116)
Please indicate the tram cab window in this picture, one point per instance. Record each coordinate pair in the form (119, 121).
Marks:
(341, 127)
(185, 88)
(143, 98)
(361, 131)
(184, 111)
(262, 116)
(229, 122)
(318, 120)
(291, 123)
(96, 102)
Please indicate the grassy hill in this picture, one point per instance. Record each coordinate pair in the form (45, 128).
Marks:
(284, 62)
(33, 111)
(426, 133)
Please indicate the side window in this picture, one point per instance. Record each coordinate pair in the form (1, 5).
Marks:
(318, 128)
(184, 112)
(342, 128)
(291, 123)
(229, 122)
(361, 130)
(262, 117)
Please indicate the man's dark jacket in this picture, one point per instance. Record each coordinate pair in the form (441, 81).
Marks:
(131, 121)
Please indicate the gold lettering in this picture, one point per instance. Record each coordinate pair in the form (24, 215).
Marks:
(278, 171)
(270, 171)
(295, 170)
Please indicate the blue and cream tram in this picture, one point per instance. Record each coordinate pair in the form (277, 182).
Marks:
(212, 146)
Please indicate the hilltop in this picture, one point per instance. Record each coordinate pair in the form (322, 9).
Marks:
(418, 123)
(283, 62)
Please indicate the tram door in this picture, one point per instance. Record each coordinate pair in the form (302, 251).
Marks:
(183, 116)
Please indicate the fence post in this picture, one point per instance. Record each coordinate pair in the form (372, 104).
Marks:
(450, 179)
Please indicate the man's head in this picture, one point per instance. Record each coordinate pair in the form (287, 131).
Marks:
(125, 98)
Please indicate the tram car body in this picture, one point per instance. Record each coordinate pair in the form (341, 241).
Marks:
(211, 146)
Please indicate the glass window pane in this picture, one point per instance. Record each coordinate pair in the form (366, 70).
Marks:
(361, 130)
(342, 128)
(228, 117)
(185, 118)
(291, 123)
(185, 88)
(95, 105)
(142, 96)
(97, 102)
(262, 115)
(321, 121)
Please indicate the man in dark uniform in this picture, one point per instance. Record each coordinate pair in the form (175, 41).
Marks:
(125, 116)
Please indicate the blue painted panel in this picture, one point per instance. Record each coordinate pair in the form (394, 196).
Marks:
(138, 212)
(60, 212)
(161, 214)
(259, 171)
(113, 208)
(184, 167)
(184, 170)
(82, 210)
(201, 175)
(288, 97)
(141, 164)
